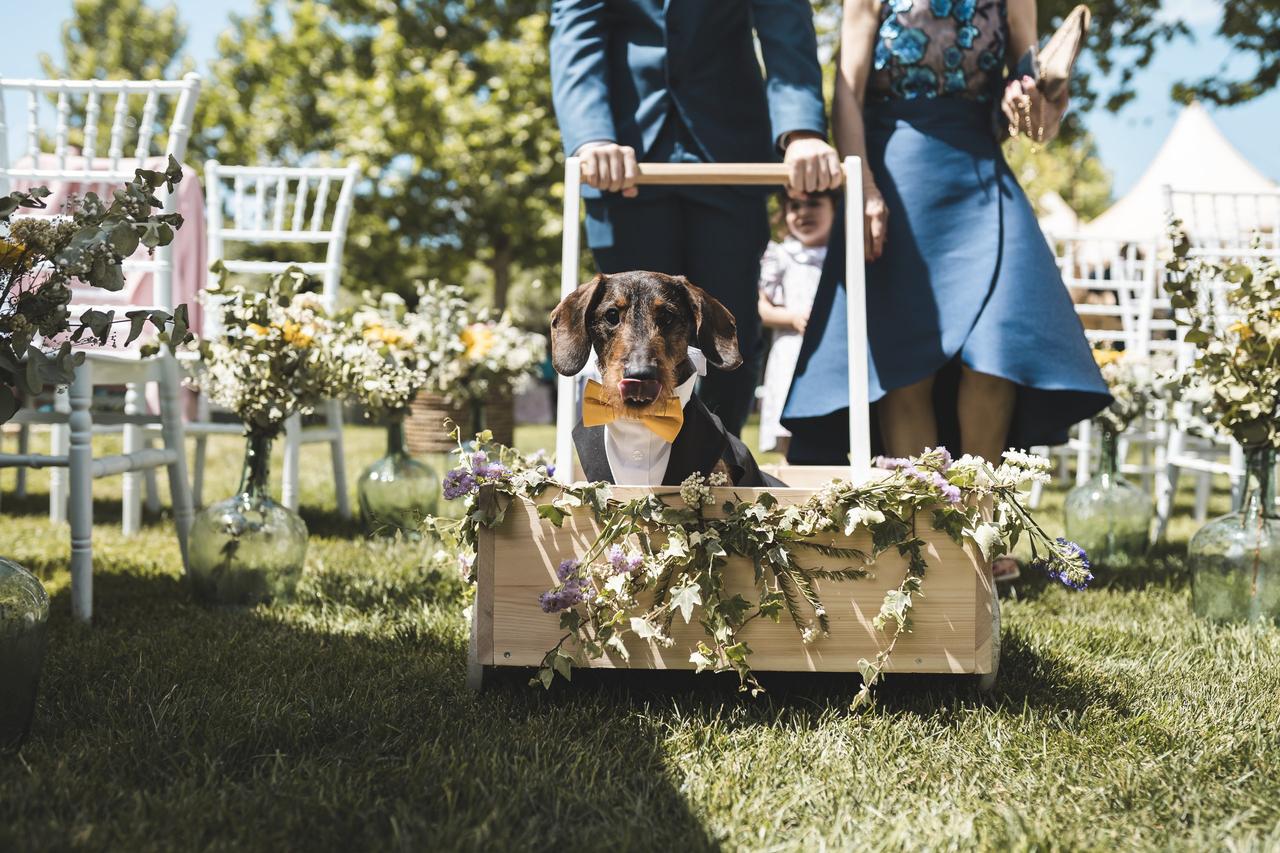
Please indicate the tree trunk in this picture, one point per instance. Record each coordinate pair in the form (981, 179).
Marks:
(501, 267)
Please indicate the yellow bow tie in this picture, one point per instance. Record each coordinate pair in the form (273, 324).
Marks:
(664, 420)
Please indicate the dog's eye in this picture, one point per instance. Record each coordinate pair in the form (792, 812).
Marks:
(612, 316)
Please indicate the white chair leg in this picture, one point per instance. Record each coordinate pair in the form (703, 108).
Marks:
(334, 411)
(152, 490)
(175, 439)
(80, 482)
(58, 441)
(1167, 482)
(131, 487)
(1239, 476)
(1083, 460)
(292, 448)
(24, 447)
(202, 450)
(1204, 487)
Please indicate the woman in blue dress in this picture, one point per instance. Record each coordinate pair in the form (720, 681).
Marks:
(973, 340)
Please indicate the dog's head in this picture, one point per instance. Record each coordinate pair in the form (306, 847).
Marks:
(640, 325)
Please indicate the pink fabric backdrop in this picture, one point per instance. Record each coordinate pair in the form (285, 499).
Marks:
(190, 264)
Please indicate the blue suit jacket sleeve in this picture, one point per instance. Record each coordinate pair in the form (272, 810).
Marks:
(579, 72)
(794, 78)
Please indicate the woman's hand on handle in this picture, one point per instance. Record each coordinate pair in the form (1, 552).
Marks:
(875, 221)
(609, 167)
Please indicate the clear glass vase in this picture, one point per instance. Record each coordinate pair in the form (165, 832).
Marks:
(1235, 559)
(24, 617)
(397, 492)
(248, 549)
(1107, 516)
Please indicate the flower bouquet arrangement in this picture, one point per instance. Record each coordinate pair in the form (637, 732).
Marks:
(1231, 312)
(277, 355)
(387, 354)
(474, 355)
(40, 258)
(1107, 515)
(663, 557)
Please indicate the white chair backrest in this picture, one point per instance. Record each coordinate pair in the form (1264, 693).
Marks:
(1112, 287)
(280, 205)
(149, 120)
(1224, 224)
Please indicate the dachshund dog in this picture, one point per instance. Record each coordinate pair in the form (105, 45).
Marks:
(651, 336)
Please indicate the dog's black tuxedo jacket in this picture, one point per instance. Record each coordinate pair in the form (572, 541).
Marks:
(701, 443)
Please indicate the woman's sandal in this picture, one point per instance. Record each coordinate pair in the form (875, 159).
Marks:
(1005, 569)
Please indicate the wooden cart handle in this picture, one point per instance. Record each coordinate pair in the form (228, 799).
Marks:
(768, 174)
(759, 174)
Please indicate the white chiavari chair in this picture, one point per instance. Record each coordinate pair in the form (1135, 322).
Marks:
(1220, 226)
(1111, 286)
(148, 122)
(284, 208)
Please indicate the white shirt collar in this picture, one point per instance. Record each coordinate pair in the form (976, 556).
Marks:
(802, 254)
(637, 456)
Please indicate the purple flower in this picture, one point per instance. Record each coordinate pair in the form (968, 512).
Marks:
(570, 595)
(458, 483)
(551, 470)
(1069, 565)
(568, 568)
(622, 563)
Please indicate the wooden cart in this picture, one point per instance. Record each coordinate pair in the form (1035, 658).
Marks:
(956, 622)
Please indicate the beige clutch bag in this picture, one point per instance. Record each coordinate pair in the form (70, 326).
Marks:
(1058, 56)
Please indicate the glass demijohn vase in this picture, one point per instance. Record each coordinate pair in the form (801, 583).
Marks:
(1109, 517)
(397, 492)
(1235, 559)
(24, 616)
(248, 548)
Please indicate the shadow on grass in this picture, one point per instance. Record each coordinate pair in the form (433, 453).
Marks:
(259, 728)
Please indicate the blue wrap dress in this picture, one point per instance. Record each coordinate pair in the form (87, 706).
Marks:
(966, 276)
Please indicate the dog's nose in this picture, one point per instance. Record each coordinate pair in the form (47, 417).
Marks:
(642, 372)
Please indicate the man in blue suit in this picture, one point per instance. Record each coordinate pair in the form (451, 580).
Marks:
(679, 81)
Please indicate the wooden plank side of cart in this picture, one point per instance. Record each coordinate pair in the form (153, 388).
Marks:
(952, 620)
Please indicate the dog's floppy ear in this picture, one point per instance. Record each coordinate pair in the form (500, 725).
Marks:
(570, 337)
(716, 330)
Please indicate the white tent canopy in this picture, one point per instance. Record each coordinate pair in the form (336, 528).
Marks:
(1056, 216)
(1195, 156)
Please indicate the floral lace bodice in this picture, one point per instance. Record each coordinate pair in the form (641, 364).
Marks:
(939, 48)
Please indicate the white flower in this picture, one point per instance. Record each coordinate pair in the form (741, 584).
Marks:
(694, 491)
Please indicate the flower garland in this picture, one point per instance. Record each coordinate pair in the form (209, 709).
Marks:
(599, 595)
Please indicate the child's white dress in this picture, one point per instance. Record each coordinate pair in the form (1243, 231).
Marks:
(789, 275)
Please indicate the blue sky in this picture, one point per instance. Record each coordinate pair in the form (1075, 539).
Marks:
(1127, 141)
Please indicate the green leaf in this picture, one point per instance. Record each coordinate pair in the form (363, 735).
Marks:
(642, 629)
(563, 664)
(137, 322)
(685, 598)
(551, 513)
(8, 403)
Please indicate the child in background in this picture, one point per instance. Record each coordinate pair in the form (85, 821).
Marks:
(789, 273)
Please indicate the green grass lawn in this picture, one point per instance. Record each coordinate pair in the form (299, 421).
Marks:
(341, 721)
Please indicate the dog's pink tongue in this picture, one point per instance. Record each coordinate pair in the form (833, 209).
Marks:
(639, 389)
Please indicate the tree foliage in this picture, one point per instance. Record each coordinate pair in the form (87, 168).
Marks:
(119, 40)
(445, 106)
(1069, 167)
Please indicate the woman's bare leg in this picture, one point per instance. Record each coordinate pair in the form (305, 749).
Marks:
(986, 410)
(907, 421)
